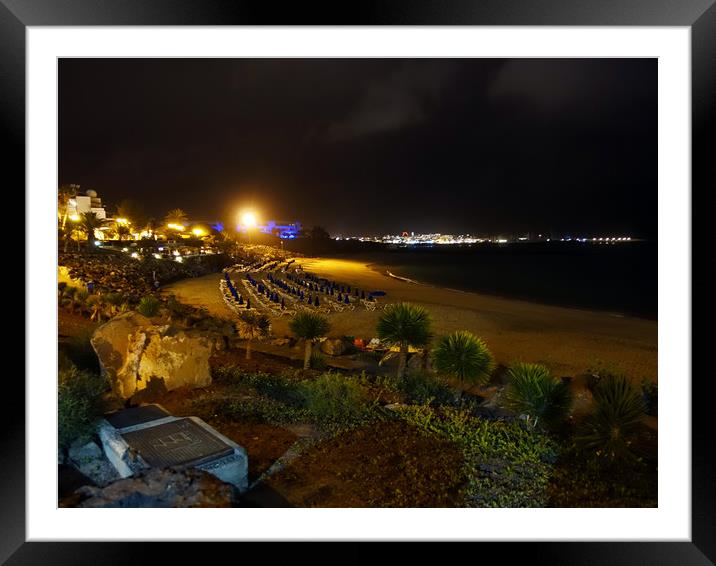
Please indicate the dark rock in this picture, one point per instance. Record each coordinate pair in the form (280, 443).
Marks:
(162, 487)
(334, 346)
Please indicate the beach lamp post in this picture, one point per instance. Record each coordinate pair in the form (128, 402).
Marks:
(249, 221)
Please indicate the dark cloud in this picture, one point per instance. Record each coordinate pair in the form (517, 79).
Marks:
(395, 101)
(370, 145)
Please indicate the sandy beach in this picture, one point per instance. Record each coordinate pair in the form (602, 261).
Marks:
(568, 341)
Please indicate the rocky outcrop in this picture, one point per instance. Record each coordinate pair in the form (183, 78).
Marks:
(334, 346)
(137, 355)
(161, 487)
(90, 461)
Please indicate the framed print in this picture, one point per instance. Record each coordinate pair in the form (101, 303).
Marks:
(414, 276)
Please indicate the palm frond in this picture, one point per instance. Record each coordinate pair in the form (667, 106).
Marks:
(534, 392)
(405, 323)
(309, 325)
(464, 356)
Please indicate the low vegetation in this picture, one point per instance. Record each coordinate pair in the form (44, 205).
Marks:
(507, 465)
(79, 403)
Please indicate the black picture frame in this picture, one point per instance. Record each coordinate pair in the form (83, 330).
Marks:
(699, 15)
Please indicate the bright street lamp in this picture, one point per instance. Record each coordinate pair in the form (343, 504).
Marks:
(248, 219)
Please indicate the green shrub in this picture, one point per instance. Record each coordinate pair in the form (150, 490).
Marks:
(317, 361)
(534, 392)
(333, 399)
(80, 351)
(465, 357)
(79, 403)
(507, 464)
(421, 387)
(608, 432)
(149, 306)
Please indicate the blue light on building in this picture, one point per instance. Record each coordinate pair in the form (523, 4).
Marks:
(279, 228)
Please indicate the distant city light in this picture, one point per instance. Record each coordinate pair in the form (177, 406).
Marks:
(122, 221)
(179, 259)
(198, 232)
(174, 226)
(404, 239)
(74, 217)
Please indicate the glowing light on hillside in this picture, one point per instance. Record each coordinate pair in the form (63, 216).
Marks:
(178, 227)
(198, 232)
(74, 217)
(249, 219)
(122, 221)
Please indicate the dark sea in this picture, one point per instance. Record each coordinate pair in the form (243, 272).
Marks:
(620, 278)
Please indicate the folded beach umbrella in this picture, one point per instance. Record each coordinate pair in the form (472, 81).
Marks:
(378, 293)
(346, 300)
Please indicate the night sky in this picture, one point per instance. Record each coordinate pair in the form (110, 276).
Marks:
(371, 146)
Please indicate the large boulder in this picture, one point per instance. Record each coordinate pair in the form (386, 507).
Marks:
(137, 355)
(334, 346)
(161, 487)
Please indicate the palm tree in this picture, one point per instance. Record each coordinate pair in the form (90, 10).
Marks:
(97, 305)
(532, 391)
(404, 325)
(68, 297)
(465, 357)
(309, 326)
(80, 300)
(113, 303)
(176, 216)
(64, 194)
(89, 222)
(122, 231)
(609, 430)
(252, 326)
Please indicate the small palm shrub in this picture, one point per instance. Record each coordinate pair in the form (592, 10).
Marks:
(650, 393)
(67, 299)
(333, 399)
(608, 432)
(404, 325)
(148, 306)
(309, 326)
(81, 300)
(465, 357)
(252, 326)
(532, 391)
(114, 302)
(79, 403)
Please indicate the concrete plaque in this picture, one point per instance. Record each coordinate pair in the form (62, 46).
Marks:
(136, 415)
(181, 442)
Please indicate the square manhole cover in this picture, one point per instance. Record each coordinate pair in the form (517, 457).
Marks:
(180, 442)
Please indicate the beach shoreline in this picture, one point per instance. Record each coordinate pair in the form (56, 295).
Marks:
(569, 341)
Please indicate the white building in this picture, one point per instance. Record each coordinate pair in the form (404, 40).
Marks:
(89, 202)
